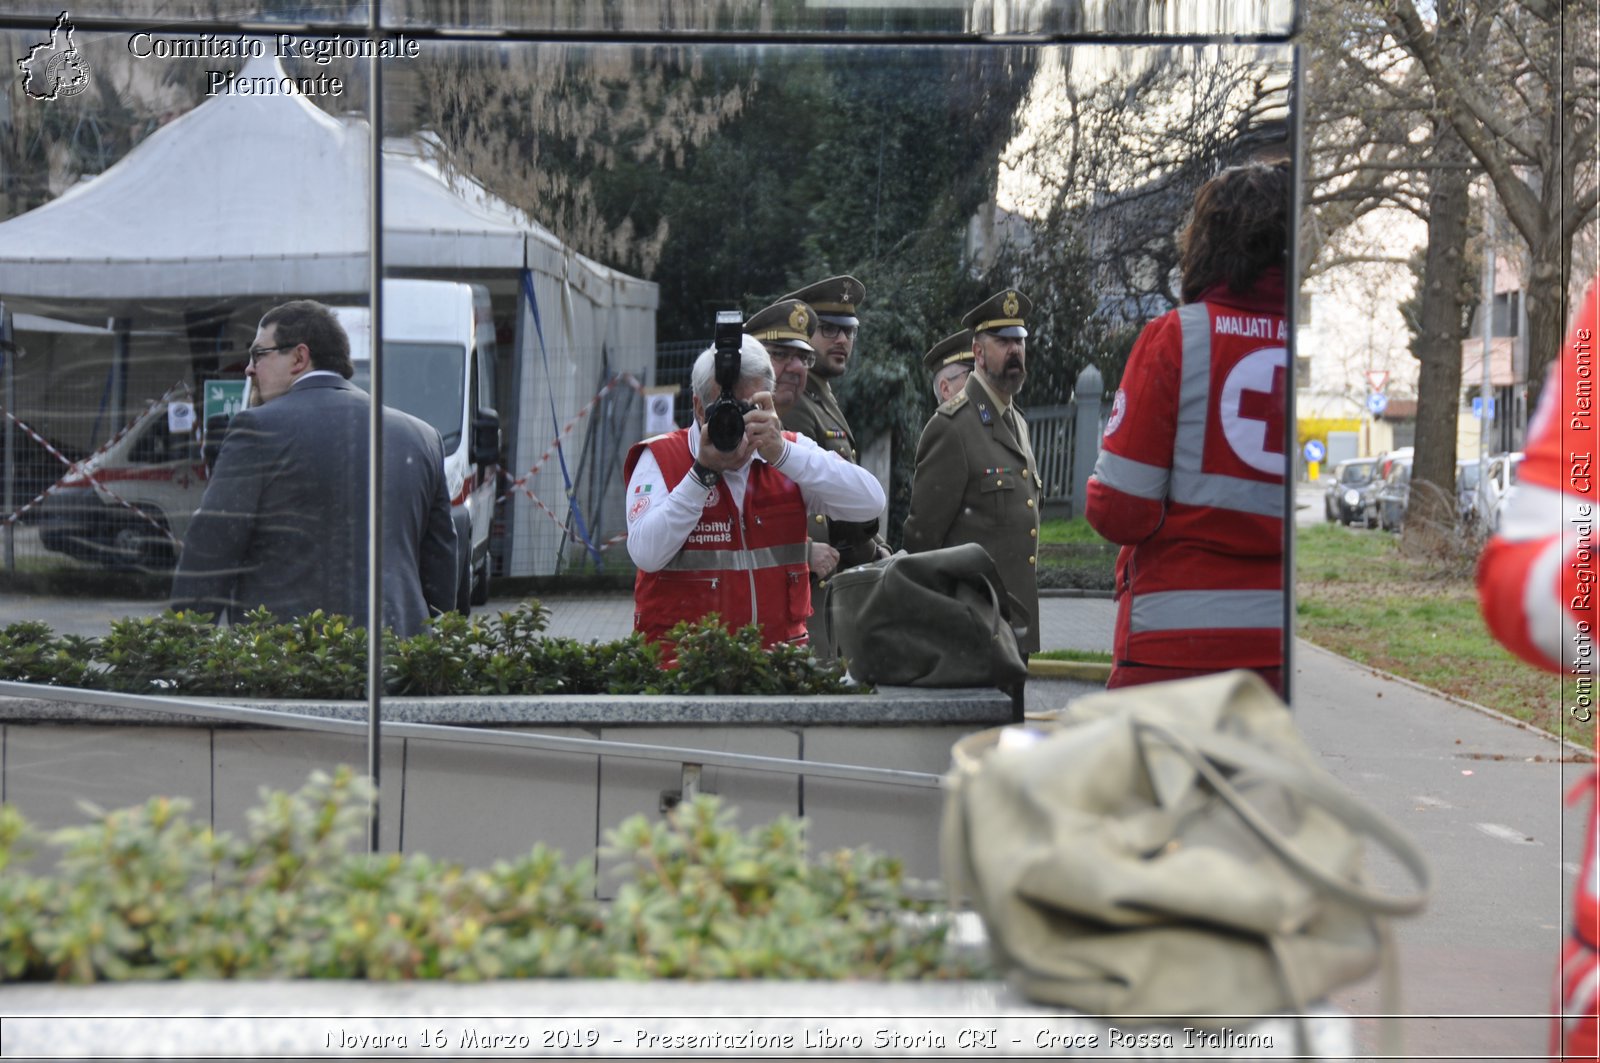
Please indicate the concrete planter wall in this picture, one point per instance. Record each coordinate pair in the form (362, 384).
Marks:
(475, 803)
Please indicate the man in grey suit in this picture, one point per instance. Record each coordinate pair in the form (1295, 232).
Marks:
(283, 523)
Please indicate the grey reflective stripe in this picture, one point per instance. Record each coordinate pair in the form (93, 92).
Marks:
(739, 560)
(1131, 477)
(1187, 610)
(1228, 492)
(1194, 390)
(1190, 485)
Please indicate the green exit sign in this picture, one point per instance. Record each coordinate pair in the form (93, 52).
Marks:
(225, 397)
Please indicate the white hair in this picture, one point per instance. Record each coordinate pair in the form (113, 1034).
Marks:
(754, 364)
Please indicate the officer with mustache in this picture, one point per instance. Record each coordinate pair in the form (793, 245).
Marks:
(976, 478)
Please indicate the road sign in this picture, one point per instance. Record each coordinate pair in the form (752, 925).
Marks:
(1477, 406)
(224, 397)
(1378, 378)
(1377, 402)
(1315, 451)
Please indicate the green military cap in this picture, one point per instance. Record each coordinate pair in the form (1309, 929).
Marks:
(835, 299)
(788, 323)
(948, 351)
(1000, 314)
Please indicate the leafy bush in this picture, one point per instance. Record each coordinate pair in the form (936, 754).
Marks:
(320, 656)
(144, 893)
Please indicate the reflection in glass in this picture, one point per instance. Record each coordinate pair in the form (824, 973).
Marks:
(1093, 19)
(145, 226)
(640, 187)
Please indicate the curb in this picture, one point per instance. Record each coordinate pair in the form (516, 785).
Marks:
(1576, 750)
(1084, 671)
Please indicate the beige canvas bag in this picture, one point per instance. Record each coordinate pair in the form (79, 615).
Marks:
(1170, 850)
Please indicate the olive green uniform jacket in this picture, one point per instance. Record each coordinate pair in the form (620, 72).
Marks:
(816, 414)
(976, 482)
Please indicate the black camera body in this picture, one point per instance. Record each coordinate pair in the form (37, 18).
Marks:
(725, 417)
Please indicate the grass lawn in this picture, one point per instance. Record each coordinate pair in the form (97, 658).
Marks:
(1356, 595)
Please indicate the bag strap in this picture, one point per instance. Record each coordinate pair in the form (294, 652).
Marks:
(1201, 751)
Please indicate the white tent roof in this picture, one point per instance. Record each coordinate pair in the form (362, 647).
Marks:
(266, 196)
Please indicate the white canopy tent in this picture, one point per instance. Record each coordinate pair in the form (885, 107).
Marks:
(266, 197)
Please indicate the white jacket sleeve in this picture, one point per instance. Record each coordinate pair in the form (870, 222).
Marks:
(838, 488)
(659, 520)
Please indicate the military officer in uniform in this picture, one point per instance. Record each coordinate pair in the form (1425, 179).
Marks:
(785, 329)
(976, 479)
(817, 412)
(950, 362)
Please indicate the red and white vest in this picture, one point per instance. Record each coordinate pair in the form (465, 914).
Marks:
(1190, 480)
(747, 567)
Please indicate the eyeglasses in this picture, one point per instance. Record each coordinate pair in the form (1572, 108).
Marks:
(256, 353)
(780, 355)
(831, 331)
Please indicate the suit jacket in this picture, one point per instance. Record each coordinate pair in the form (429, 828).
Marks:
(816, 414)
(283, 522)
(976, 482)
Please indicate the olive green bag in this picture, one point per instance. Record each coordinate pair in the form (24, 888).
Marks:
(1170, 850)
(940, 618)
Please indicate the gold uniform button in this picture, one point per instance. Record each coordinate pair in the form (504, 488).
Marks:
(1033, 533)
(819, 518)
(1030, 503)
(1024, 472)
(1031, 561)
(999, 483)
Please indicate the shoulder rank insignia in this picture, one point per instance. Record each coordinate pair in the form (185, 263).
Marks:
(953, 403)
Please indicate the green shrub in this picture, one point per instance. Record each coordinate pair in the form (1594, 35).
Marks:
(321, 656)
(144, 893)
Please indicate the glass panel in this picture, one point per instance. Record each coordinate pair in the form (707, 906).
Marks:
(146, 224)
(1129, 19)
(162, 16)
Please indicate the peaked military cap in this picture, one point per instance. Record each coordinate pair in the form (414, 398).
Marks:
(835, 299)
(788, 323)
(948, 351)
(1000, 314)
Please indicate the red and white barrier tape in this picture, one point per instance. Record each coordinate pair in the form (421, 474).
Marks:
(521, 482)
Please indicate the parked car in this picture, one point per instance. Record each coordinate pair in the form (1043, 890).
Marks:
(1342, 500)
(1394, 494)
(1369, 494)
(1499, 484)
(1469, 475)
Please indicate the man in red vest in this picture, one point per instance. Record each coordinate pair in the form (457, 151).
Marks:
(1537, 584)
(1190, 478)
(725, 531)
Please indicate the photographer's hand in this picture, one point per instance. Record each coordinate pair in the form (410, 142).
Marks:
(764, 429)
(724, 460)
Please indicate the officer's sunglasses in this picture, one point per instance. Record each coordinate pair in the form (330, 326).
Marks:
(831, 331)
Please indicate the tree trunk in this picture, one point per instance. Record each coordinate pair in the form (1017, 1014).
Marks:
(1430, 518)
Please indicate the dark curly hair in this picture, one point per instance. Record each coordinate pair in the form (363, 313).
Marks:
(309, 322)
(1238, 229)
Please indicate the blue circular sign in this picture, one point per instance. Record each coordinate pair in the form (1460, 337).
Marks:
(1377, 402)
(1315, 451)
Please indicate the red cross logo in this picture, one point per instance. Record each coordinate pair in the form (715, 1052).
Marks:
(1268, 406)
(1252, 409)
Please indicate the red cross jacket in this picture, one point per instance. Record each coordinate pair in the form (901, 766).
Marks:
(1190, 480)
(749, 566)
(1537, 589)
